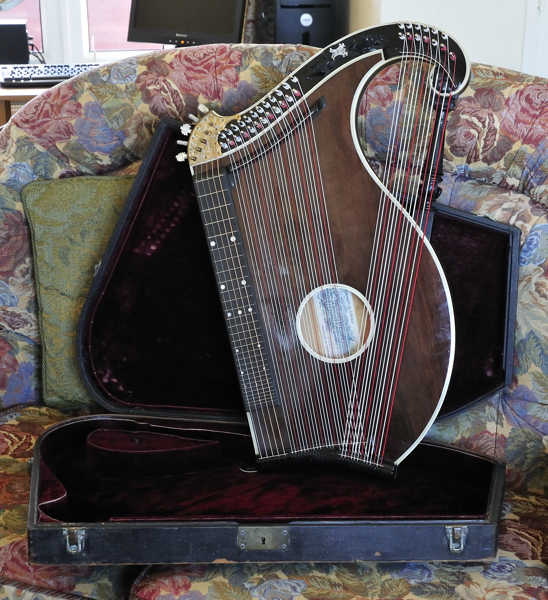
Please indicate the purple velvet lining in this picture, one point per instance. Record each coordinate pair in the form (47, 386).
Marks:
(454, 484)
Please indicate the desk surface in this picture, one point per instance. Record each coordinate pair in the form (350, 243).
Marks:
(9, 95)
(18, 94)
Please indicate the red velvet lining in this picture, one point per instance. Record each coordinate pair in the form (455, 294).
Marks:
(153, 339)
(476, 255)
(434, 482)
(153, 324)
(117, 453)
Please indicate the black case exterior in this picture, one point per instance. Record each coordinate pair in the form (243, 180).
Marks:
(323, 540)
(328, 540)
(196, 542)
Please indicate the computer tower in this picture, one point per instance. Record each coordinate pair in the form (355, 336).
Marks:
(316, 23)
(14, 42)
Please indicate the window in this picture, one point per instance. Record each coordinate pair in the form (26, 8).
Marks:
(108, 22)
(79, 31)
(29, 10)
(70, 38)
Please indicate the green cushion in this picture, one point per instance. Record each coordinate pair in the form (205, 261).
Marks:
(71, 221)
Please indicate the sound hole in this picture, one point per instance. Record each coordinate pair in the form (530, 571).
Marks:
(335, 323)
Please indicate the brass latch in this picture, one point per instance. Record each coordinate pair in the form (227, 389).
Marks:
(456, 536)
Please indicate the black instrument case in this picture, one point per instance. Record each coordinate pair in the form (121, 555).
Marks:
(167, 476)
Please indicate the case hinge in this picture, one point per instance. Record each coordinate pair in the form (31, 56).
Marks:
(263, 538)
(74, 539)
(456, 536)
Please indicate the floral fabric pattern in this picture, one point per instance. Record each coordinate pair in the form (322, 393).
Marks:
(497, 134)
(497, 166)
(101, 123)
(19, 429)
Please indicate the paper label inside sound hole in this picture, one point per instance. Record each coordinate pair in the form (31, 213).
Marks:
(334, 323)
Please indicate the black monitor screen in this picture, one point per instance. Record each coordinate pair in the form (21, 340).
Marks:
(184, 22)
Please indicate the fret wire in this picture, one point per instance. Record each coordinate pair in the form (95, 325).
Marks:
(233, 305)
(231, 280)
(204, 195)
(228, 256)
(236, 304)
(233, 285)
(245, 343)
(207, 209)
(219, 240)
(221, 261)
(263, 376)
(258, 382)
(227, 220)
(234, 294)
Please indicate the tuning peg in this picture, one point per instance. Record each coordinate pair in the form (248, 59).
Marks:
(186, 129)
(193, 117)
(181, 157)
(182, 142)
(203, 109)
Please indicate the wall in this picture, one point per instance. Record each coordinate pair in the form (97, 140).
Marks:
(491, 31)
(364, 13)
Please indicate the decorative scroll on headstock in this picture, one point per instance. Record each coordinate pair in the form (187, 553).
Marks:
(203, 144)
(214, 135)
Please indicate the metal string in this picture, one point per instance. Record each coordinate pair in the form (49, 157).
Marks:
(346, 404)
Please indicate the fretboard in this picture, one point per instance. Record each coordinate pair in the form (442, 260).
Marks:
(235, 289)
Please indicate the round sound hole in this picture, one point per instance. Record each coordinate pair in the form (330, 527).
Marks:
(335, 323)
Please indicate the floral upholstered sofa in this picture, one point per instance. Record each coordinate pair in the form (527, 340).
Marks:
(100, 123)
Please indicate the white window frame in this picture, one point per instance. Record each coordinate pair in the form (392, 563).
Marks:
(65, 34)
(535, 47)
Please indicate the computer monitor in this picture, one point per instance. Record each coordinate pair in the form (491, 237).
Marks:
(186, 22)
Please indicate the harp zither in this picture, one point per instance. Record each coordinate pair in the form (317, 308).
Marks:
(337, 309)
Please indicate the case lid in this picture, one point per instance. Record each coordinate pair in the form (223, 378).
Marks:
(152, 337)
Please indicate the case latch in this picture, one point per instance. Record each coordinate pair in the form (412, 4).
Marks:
(456, 536)
(74, 539)
(263, 538)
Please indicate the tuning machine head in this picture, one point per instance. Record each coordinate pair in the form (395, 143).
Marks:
(186, 128)
(201, 143)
